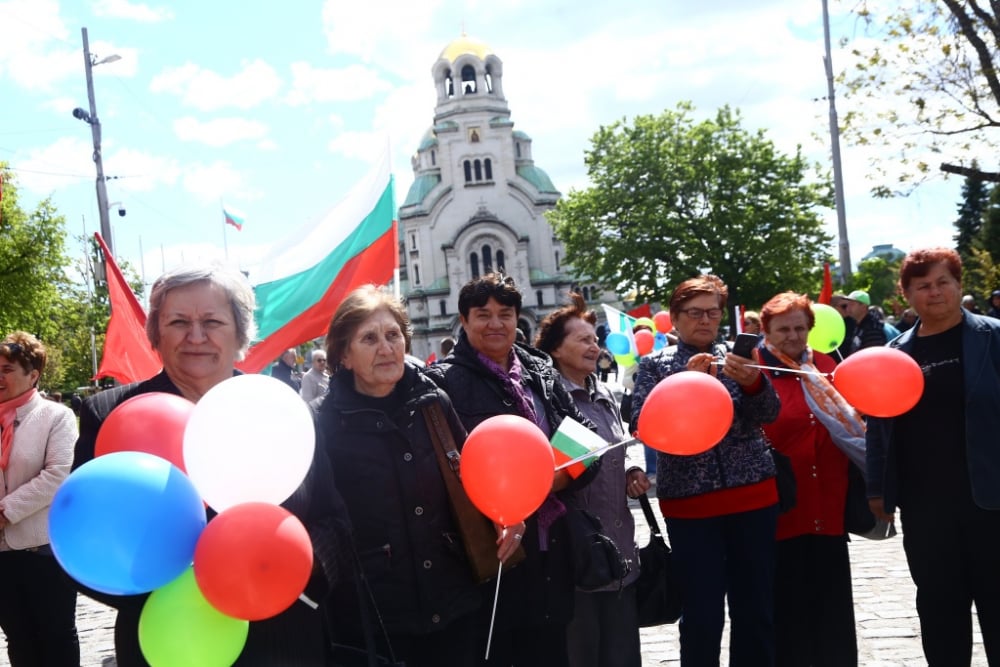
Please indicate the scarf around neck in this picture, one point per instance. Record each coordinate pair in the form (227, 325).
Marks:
(845, 425)
(8, 414)
(513, 383)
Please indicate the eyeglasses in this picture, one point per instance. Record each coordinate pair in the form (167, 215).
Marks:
(321, 361)
(11, 349)
(698, 313)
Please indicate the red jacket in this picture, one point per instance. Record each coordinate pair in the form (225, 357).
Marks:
(820, 467)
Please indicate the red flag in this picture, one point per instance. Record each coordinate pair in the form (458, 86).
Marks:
(641, 311)
(127, 356)
(431, 359)
(826, 293)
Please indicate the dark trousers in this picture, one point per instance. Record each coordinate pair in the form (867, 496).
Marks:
(732, 557)
(814, 603)
(954, 559)
(38, 611)
(604, 630)
(537, 645)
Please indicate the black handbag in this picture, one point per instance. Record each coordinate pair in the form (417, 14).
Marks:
(785, 479)
(657, 595)
(597, 560)
(858, 517)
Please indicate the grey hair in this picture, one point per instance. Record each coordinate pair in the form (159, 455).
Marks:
(233, 283)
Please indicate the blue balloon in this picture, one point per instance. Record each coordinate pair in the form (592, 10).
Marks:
(659, 341)
(126, 523)
(618, 343)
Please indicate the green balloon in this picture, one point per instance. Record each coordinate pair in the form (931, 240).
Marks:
(179, 628)
(828, 332)
(625, 360)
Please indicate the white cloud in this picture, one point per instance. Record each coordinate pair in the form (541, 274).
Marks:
(135, 11)
(350, 84)
(377, 30)
(139, 171)
(209, 182)
(219, 131)
(33, 44)
(65, 162)
(357, 145)
(208, 91)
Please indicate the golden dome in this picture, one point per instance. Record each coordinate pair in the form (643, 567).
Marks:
(463, 45)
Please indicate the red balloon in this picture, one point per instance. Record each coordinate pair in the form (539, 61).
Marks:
(662, 322)
(880, 381)
(686, 413)
(507, 468)
(152, 423)
(253, 561)
(644, 341)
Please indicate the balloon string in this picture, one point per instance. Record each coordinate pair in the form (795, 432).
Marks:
(309, 601)
(776, 368)
(493, 616)
(596, 452)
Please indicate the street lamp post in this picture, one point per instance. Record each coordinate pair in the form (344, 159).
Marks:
(89, 62)
(838, 174)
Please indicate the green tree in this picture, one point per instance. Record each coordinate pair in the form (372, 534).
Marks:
(671, 197)
(975, 198)
(880, 278)
(926, 85)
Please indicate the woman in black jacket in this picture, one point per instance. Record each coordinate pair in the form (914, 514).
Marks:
(385, 465)
(487, 374)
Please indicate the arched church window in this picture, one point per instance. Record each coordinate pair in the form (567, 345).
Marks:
(517, 148)
(468, 80)
(416, 274)
(586, 294)
(468, 171)
(501, 265)
(487, 258)
(477, 165)
(433, 159)
(443, 306)
(557, 260)
(538, 298)
(474, 265)
(449, 85)
(488, 168)
(489, 81)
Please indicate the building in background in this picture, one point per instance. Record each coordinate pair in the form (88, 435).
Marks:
(477, 204)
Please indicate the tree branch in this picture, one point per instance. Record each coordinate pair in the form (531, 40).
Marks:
(968, 29)
(971, 172)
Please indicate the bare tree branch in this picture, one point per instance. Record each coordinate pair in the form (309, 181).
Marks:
(971, 172)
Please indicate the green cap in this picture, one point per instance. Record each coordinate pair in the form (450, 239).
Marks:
(860, 295)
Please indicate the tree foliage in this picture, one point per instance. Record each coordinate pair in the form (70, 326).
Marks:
(925, 88)
(671, 197)
(975, 197)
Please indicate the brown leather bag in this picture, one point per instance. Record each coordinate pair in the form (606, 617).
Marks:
(477, 532)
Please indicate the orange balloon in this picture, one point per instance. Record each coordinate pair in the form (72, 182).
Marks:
(644, 341)
(507, 468)
(880, 381)
(686, 413)
(152, 423)
(662, 322)
(253, 561)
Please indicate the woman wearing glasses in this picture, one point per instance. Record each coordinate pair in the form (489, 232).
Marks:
(721, 505)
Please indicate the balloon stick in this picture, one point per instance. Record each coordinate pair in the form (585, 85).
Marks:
(597, 452)
(493, 616)
(776, 368)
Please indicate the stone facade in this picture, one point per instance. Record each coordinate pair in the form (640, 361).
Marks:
(477, 204)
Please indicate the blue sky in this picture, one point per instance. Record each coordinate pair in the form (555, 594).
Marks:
(277, 108)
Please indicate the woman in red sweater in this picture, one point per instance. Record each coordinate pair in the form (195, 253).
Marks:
(813, 604)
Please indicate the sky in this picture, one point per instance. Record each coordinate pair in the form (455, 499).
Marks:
(276, 110)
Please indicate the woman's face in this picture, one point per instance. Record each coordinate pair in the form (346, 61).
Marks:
(198, 343)
(14, 380)
(578, 352)
(702, 330)
(789, 332)
(492, 329)
(375, 354)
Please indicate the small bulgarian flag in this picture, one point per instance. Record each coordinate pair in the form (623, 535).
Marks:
(233, 218)
(573, 439)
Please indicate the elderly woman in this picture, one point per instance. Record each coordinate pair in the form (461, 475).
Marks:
(201, 322)
(721, 505)
(813, 605)
(38, 604)
(487, 374)
(604, 629)
(376, 428)
(940, 464)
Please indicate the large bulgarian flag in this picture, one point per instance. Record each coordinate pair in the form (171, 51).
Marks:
(305, 277)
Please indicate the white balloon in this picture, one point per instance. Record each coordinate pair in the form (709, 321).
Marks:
(249, 439)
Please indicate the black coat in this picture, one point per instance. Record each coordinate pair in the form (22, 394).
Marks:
(541, 590)
(386, 467)
(294, 637)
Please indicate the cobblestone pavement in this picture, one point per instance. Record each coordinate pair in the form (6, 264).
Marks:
(887, 624)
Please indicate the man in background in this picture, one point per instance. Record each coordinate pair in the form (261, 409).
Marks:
(284, 370)
(315, 382)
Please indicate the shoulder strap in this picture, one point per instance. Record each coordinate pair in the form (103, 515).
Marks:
(647, 510)
(449, 460)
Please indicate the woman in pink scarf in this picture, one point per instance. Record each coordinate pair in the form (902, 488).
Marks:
(38, 605)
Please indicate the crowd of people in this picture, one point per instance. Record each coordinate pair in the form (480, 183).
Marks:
(391, 581)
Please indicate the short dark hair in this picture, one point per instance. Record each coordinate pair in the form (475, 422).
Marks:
(360, 304)
(552, 330)
(476, 292)
(918, 264)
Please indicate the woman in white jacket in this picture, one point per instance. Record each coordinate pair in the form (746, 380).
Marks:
(38, 603)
